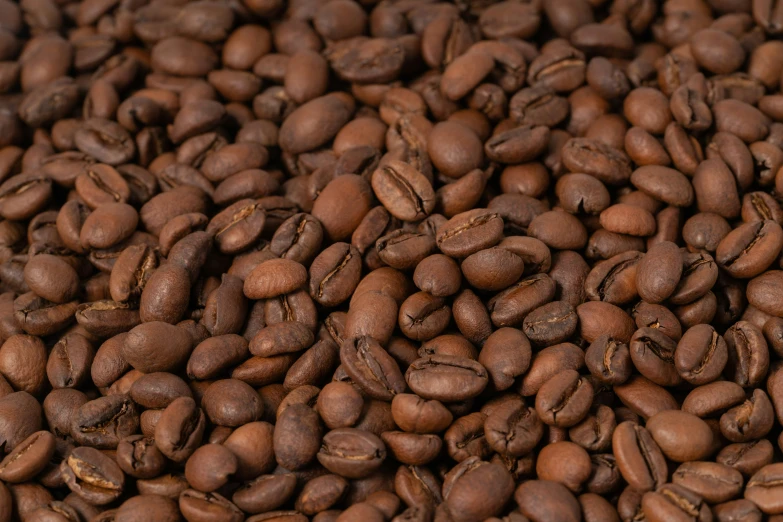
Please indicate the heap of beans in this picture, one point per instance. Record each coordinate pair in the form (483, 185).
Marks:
(391, 260)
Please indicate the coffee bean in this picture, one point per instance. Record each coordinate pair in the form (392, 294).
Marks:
(652, 353)
(760, 489)
(194, 504)
(672, 500)
(351, 452)
(156, 346)
(639, 458)
(103, 422)
(28, 458)
(404, 191)
(513, 429)
(93, 476)
(563, 400)
(371, 368)
(446, 378)
(670, 428)
(712, 481)
(180, 428)
(470, 478)
(265, 493)
(542, 498)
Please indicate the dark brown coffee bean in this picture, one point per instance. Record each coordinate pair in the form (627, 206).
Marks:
(614, 280)
(597, 318)
(265, 493)
(93, 476)
(351, 453)
(156, 346)
(23, 195)
(180, 428)
(750, 249)
(748, 354)
(639, 458)
(670, 428)
(105, 421)
(755, 415)
(404, 191)
(652, 353)
(23, 363)
(563, 400)
(596, 159)
(446, 378)
(761, 489)
(712, 481)
(513, 429)
(539, 499)
(28, 458)
(195, 504)
(701, 355)
(139, 457)
(550, 324)
(371, 368)
(672, 500)
(70, 361)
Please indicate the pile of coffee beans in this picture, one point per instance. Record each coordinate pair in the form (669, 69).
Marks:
(391, 260)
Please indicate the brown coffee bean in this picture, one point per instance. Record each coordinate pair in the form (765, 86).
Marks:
(93, 476)
(639, 458)
(701, 355)
(446, 378)
(539, 499)
(513, 429)
(670, 428)
(341, 205)
(712, 481)
(180, 428)
(28, 458)
(351, 452)
(563, 400)
(156, 346)
(404, 191)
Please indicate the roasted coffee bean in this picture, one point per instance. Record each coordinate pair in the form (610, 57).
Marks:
(563, 400)
(139, 457)
(659, 272)
(712, 481)
(748, 354)
(28, 458)
(93, 476)
(351, 452)
(549, 362)
(371, 368)
(404, 191)
(614, 280)
(672, 500)
(671, 428)
(513, 429)
(446, 378)
(609, 360)
(639, 458)
(103, 422)
(180, 428)
(761, 488)
(701, 355)
(156, 346)
(539, 499)
(652, 353)
(70, 361)
(334, 274)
